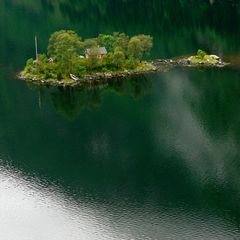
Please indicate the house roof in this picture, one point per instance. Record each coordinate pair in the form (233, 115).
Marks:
(97, 51)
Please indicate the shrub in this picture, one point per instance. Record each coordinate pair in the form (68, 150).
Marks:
(201, 54)
(130, 64)
(59, 76)
(47, 75)
(81, 70)
(118, 58)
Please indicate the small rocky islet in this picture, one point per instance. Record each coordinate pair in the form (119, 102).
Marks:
(72, 62)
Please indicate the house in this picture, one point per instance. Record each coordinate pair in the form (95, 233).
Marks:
(100, 52)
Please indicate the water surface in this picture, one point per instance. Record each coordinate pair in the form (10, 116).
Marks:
(155, 157)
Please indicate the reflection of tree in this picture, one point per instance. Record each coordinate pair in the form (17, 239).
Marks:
(70, 102)
(135, 87)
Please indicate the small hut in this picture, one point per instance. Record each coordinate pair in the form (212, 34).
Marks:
(100, 52)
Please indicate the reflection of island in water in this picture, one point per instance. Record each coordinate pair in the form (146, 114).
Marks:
(69, 102)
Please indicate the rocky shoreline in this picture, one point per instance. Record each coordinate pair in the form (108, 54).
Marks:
(158, 65)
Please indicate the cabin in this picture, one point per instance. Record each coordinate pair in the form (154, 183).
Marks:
(100, 52)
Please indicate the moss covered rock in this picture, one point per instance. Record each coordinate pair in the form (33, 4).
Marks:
(202, 58)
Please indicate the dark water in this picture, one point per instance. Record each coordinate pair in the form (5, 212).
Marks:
(152, 158)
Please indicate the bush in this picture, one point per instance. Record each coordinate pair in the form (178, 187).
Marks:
(92, 63)
(47, 75)
(29, 62)
(59, 76)
(81, 70)
(201, 54)
(130, 64)
(118, 58)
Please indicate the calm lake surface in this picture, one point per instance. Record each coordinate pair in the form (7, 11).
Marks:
(150, 158)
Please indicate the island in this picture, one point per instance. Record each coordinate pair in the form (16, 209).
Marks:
(72, 61)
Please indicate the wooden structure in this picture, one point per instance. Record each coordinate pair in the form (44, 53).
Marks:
(100, 52)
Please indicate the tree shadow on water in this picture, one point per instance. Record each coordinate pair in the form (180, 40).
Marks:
(70, 102)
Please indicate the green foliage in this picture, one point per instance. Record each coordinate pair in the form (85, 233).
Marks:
(64, 41)
(59, 76)
(47, 75)
(118, 57)
(80, 70)
(130, 64)
(29, 62)
(202, 57)
(139, 46)
(120, 41)
(135, 49)
(108, 61)
(90, 43)
(92, 62)
(201, 54)
(107, 41)
(146, 42)
(65, 47)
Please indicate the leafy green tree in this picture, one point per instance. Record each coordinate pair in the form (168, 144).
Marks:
(81, 70)
(90, 43)
(65, 46)
(130, 64)
(92, 62)
(79, 67)
(108, 61)
(64, 40)
(118, 57)
(106, 41)
(147, 43)
(41, 63)
(121, 40)
(139, 46)
(29, 65)
(135, 48)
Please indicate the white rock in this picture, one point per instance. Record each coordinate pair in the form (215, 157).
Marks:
(215, 57)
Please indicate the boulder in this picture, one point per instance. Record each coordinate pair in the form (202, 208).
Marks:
(215, 57)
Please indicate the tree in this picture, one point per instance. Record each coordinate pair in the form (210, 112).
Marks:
(108, 61)
(65, 46)
(90, 43)
(118, 57)
(29, 65)
(147, 43)
(64, 40)
(121, 40)
(79, 67)
(92, 62)
(41, 64)
(135, 48)
(106, 41)
(139, 46)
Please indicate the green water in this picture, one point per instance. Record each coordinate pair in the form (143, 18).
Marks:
(150, 158)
